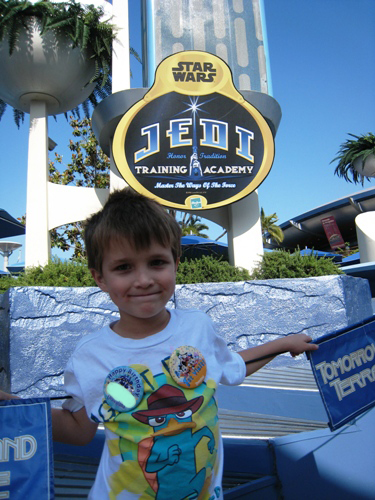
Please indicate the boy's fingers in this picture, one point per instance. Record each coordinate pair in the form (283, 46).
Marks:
(4, 396)
(307, 347)
(313, 347)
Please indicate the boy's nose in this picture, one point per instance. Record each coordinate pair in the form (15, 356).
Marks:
(143, 278)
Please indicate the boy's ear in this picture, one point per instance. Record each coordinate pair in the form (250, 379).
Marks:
(176, 266)
(98, 277)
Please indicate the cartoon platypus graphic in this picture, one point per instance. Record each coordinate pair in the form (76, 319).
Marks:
(172, 453)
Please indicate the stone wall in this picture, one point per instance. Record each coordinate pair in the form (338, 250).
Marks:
(39, 326)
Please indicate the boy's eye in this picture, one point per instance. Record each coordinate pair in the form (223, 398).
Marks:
(123, 267)
(158, 262)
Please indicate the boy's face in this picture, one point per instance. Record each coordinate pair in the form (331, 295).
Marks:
(139, 282)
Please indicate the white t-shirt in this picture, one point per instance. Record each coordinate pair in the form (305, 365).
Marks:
(137, 461)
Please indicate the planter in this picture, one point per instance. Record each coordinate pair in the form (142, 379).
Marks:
(44, 68)
(365, 168)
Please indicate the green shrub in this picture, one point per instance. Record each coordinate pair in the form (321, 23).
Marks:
(209, 270)
(278, 264)
(55, 273)
(76, 274)
(282, 264)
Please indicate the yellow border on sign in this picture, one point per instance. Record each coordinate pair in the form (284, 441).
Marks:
(222, 84)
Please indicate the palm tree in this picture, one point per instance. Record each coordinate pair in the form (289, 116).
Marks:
(190, 224)
(270, 231)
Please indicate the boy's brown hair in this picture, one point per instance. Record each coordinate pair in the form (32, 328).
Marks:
(130, 215)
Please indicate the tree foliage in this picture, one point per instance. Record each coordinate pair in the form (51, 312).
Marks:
(191, 224)
(88, 167)
(270, 230)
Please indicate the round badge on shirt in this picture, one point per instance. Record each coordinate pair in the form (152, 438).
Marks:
(187, 367)
(123, 388)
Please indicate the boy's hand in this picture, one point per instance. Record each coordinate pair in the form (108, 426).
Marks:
(4, 396)
(256, 357)
(298, 343)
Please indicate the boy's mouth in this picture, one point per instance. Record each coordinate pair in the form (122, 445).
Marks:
(144, 295)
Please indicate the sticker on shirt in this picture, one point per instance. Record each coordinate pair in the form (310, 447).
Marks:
(123, 388)
(171, 438)
(188, 367)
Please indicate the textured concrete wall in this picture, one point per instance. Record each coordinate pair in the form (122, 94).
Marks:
(39, 327)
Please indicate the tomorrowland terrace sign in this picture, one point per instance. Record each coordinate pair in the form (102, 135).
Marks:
(193, 142)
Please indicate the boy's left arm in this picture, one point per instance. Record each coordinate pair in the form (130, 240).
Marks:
(295, 344)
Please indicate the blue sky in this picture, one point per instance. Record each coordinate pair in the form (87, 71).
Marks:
(322, 59)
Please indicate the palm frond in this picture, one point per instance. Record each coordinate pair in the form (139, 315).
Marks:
(2, 108)
(270, 230)
(96, 75)
(18, 116)
(13, 34)
(135, 54)
(360, 147)
(85, 36)
(86, 108)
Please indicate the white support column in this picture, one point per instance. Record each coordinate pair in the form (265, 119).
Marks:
(116, 181)
(6, 262)
(120, 72)
(37, 242)
(365, 227)
(68, 204)
(121, 47)
(245, 244)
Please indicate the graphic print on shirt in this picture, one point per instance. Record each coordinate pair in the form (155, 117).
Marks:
(168, 443)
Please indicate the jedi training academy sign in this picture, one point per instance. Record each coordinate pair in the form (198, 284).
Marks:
(193, 142)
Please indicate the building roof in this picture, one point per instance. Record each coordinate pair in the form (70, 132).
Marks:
(306, 230)
(9, 226)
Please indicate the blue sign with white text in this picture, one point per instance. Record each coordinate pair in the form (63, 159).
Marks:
(26, 453)
(344, 369)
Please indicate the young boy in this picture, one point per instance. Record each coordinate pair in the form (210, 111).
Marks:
(151, 377)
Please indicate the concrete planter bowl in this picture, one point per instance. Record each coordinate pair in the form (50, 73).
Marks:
(45, 68)
(366, 167)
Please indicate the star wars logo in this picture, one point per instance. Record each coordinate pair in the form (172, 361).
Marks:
(194, 72)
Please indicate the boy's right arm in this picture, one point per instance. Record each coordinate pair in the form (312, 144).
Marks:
(70, 428)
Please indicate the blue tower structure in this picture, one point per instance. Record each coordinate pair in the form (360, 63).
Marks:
(234, 30)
